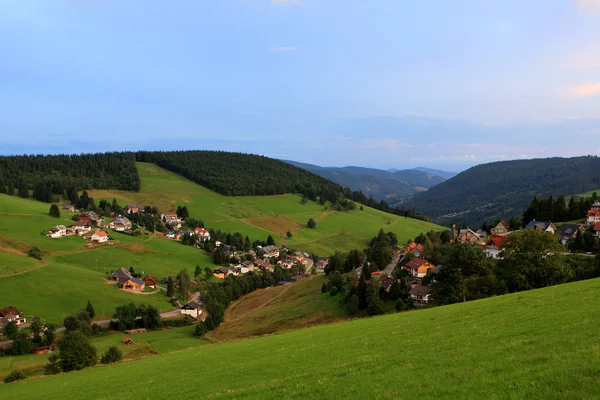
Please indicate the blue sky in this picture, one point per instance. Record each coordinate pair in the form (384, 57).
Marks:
(386, 84)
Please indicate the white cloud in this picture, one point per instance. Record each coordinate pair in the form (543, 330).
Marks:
(585, 90)
(286, 2)
(281, 49)
(382, 143)
(589, 6)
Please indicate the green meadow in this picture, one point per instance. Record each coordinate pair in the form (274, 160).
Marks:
(541, 344)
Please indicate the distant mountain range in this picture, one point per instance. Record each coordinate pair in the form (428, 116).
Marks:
(503, 189)
(390, 185)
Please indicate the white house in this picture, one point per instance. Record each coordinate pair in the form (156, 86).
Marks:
(202, 234)
(420, 294)
(193, 309)
(593, 216)
(58, 231)
(100, 237)
(494, 246)
(10, 314)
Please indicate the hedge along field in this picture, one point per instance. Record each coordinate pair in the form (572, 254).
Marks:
(260, 216)
(537, 344)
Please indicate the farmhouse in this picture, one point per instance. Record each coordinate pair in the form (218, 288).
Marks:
(286, 263)
(132, 284)
(416, 249)
(10, 314)
(69, 207)
(570, 231)
(541, 226)
(418, 267)
(270, 251)
(81, 227)
(121, 224)
(420, 294)
(321, 264)
(202, 234)
(501, 229)
(494, 246)
(222, 272)
(91, 217)
(132, 209)
(58, 231)
(193, 309)
(119, 274)
(150, 281)
(100, 237)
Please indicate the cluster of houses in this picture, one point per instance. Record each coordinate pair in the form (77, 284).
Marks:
(11, 314)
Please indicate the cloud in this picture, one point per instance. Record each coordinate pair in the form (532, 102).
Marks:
(281, 49)
(382, 143)
(286, 2)
(587, 6)
(585, 90)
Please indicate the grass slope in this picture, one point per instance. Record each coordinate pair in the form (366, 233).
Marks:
(260, 216)
(537, 344)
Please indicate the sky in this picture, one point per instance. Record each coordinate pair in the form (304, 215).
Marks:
(379, 83)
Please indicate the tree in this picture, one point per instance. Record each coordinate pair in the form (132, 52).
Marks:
(90, 309)
(112, 354)
(197, 272)
(270, 241)
(36, 328)
(71, 323)
(21, 345)
(352, 305)
(170, 287)
(53, 366)
(76, 352)
(375, 305)
(288, 234)
(184, 285)
(333, 291)
(219, 256)
(311, 223)
(324, 288)
(11, 330)
(35, 253)
(532, 259)
(200, 330)
(126, 316)
(49, 334)
(149, 316)
(361, 292)
(54, 211)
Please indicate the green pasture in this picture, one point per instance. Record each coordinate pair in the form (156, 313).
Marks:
(541, 344)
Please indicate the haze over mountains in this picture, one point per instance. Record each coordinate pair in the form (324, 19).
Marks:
(391, 185)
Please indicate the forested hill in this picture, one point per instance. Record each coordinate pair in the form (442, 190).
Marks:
(390, 186)
(504, 189)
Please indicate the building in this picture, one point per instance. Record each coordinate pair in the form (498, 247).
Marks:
(58, 231)
(202, 234)
(91, 217)
(420, 294)
(596, 229)
(121, 224)
(467, 236)
(270, 251)
(69, 207)
(193, 309)
(150, 281)
(81, 227)
(263, 265)
(416, 249)
(100, 237)
(132, 209)
(120, 274)
(418, 267)
(321, 264)
(169, 217)
(501, 229)
(541, 226)
(593, 215)
(132, 284)
(494, 246)
(222, 272)
(11, 314)
(570, 231)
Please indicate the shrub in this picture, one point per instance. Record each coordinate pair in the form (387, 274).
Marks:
(201, 329)
(16, 375)
(22, 345)
(112, 354)
(311, 223)
(54, 211)
(35, 253)
(52, 367)
(324, 288)
(333, 291)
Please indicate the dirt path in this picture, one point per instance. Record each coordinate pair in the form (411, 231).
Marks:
(44, 264)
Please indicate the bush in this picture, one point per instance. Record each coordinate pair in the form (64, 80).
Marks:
(112, 354)
(201, 329)
(333, 291)
(16, 375)
(22, 345)
(401, 305)
(311, 223)
(54, 211)
(52, 367)
(177, 323)
(35, 253)
(324, 288)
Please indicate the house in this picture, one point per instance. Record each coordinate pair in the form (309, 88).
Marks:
(570, 231)
(132, 209)
(541, 226)
(252, 253)
(501, 229)
(286, 263)
(193, 309)
(174, 235)
(91, 217)
(386, 284)
(494, 246)
(150, 281)
(321, 264)
(120, 274)
(58, 231)
(263, 265)
(467, 236)
(132, 284)
(11, 314)
(270, 251)
(593, 215)
(44, 349)
(174, 224)
(202, 234)
(418, 267)
(169, 217)
(299, 257)
(416, 249)
(420, 294)
(81, 227)
(121, 224)
(248, 264)
(69, 207)
(100, 237)
(222, 272)
(596, 229)
(235, 271)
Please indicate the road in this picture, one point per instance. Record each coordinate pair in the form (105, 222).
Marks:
(390, 267)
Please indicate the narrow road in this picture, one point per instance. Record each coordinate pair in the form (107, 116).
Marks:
(390, 267)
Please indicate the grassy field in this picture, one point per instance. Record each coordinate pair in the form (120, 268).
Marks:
(144, 345)
(540, 344)
(258, 217)
(280, 308)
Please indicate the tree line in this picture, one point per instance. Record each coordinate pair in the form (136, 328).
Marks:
(551, 209)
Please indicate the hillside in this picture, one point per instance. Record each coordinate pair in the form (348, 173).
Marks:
(261, 216)
(504, 189)
(382, 185)
(536, 344)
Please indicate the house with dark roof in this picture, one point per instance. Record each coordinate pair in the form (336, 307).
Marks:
(263, 265)
(193, 309)
(222, 272)
(131, 284)
(541, 226)
(420, 294)
(570, 231)
(270, 251)
(121, 273)
(91, 217)
(494, 246)
(121, 224)
(11, 314)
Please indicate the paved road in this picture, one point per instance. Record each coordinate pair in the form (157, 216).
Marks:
(390, 267)
(309, 265)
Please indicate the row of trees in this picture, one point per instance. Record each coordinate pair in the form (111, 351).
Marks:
(551, 209)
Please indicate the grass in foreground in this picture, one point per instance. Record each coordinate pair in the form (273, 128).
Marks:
(540, 344)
